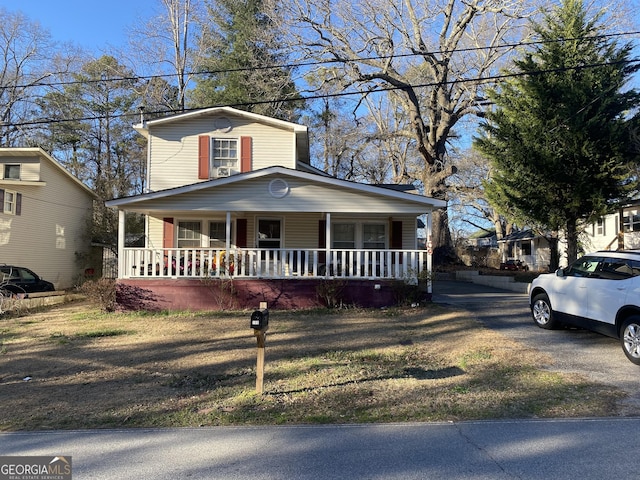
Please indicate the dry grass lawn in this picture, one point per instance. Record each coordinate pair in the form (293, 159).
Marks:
(73, 367)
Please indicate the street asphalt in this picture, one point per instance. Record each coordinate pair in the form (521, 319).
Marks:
(589, 448)
(586, 449)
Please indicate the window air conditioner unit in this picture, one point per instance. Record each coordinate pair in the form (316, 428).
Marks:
(224, 172)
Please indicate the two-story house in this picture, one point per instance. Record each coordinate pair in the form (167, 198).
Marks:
(45, 218)
(234, 205)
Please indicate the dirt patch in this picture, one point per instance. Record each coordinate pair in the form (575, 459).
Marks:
(75, 367)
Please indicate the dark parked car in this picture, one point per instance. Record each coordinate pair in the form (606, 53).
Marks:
(514, 265)
(22, 280)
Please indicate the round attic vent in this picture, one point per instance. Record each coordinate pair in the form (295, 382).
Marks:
(278, 188)
(222, 124)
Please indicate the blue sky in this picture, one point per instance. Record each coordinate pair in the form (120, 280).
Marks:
(92, 24)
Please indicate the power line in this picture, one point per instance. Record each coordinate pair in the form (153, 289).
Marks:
(379, 89)
(288, 66)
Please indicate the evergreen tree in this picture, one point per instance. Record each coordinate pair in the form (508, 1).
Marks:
(558, 137)
(90, 133)
(244, 68)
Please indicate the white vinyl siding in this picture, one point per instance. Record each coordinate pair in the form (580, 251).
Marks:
(174, 148)
(254, 196)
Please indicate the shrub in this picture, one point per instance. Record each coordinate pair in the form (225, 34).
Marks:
(101, 292)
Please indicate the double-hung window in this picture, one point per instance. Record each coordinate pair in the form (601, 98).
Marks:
(599, 227)
(344, 235)
(189, 234)
(218, 234)
(373, 236)
(10, 199)
(224, 156)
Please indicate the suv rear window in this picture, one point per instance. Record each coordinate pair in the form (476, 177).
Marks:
(619, 268)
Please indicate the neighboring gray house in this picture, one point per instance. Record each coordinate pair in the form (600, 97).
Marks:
(604, 234)
(45, 217)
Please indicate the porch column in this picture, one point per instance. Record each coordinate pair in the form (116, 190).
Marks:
(227, 241)
(327, 234)
(121, 237)
(429, 246)
(228, 232)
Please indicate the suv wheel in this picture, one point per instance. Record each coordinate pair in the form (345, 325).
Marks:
(630, 338)
(542, 313)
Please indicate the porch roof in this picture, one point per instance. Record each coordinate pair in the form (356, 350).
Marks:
(279, 189)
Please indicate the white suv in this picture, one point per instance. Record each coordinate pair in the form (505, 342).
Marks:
(598, 292)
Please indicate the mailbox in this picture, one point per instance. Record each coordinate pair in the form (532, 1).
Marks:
(260, 319)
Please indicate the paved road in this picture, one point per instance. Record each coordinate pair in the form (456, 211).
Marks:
(506, 450)
(588, 449)
(594, 356)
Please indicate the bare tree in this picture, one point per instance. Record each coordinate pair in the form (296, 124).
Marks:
(171, 43)
(28, 58)
(467, 203)
(435, 54)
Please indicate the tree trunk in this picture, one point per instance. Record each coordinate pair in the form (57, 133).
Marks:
(443, 251)
(554, 255)
(572, 241)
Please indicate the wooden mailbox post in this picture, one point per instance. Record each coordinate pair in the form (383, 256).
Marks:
(260, 325)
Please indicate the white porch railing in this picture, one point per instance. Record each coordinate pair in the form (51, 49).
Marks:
(271, 263)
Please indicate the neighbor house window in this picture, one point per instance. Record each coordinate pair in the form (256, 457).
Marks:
(224, 153)
(189, 234)
(631, 221)
(12, 172)
(218, 234)
(10, 202)
(526, 247)
(599, 228)
(373, 236)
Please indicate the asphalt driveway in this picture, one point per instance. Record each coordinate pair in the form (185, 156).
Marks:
(584, 353)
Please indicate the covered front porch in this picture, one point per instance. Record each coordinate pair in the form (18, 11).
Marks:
(281, 236)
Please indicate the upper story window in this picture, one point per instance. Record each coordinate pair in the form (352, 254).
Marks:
(224, 156)
(12, 171)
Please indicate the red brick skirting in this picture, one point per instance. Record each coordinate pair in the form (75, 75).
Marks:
(224, 294)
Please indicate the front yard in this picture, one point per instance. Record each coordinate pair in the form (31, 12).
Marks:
(73, 367)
